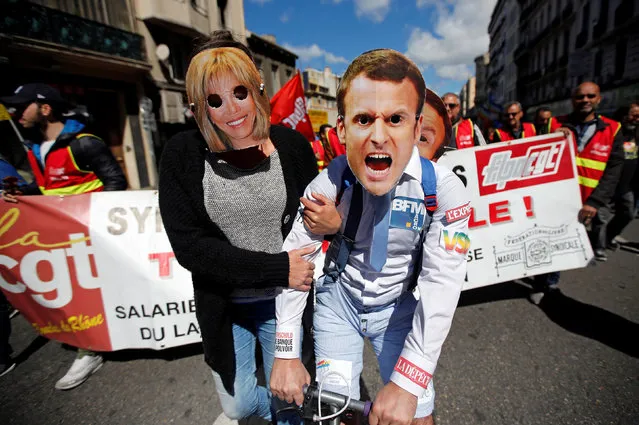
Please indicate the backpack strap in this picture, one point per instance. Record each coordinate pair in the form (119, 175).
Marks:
(429, 185)
(342, 244)
(348, 180)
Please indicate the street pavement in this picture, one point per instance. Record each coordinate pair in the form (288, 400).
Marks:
(572, 360)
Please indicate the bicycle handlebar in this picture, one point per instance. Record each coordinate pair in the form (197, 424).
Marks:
(311, 394)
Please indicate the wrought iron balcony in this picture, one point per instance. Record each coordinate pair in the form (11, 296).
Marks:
(24, 19)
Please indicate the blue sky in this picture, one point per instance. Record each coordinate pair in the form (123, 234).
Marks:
(441, 36)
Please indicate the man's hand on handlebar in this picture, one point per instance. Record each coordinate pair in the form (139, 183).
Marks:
(393, 406)
(288, 377)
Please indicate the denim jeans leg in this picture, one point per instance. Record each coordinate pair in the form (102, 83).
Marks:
(624, 214)
(339, 345)
(542, 282)
(265, 325)
(597, 232)
(387, 332)
(249, 399)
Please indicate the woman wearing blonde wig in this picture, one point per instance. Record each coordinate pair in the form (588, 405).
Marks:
(228, 195)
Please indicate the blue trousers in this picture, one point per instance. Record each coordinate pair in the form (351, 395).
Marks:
(253, 322)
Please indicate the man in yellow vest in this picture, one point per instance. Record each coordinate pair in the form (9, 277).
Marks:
(545, 123)
(465, 133)
(65, 161)
(599, 158)
(513, 128)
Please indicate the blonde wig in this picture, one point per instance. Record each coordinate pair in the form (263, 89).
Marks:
(206, 66)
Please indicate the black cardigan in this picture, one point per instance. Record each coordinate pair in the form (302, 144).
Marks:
(201, 247)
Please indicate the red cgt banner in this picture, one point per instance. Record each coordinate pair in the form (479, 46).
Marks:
(288, 108)
(48, 270)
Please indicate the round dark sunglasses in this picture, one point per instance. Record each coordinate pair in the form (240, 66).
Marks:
(215, 100)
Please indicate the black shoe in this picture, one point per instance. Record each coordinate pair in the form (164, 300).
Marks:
(7, 367)
(613, 245)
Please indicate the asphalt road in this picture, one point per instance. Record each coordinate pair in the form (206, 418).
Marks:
(573, 360)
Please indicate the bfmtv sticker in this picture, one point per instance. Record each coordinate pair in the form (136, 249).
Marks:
(407, 213)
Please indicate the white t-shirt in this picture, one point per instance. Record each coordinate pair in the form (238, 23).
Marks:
(45, 147)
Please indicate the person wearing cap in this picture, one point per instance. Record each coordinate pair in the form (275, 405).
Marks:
(65, 161)
(87, 165)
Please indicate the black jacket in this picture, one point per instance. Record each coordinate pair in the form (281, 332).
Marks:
(90, 153)
(201, 247)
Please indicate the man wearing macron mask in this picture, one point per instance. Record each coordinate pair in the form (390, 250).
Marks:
(404, 225)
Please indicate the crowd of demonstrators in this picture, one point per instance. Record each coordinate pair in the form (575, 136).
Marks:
(380, 102)
(64, 161)
(326, 146)
(513, 128)
(245, 212)
(600, 160)
(465, 134)
(228, 194)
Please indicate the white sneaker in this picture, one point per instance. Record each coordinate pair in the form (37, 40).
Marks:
(536, 297)
(80, 370)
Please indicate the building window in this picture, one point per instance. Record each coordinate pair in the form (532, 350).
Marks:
(115, 13)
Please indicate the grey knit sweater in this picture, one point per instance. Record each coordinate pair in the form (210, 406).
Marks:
(247, 204)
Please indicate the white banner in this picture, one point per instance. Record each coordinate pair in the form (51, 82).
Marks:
(97, 270)
(148, 296)
(525, 200)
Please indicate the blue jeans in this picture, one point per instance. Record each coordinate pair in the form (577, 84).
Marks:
(340, 328)
(253, 322)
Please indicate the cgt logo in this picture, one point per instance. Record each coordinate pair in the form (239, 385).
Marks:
(523, 164)
(458, 242)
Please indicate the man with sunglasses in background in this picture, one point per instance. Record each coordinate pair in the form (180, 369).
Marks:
(465, 133)
(513, 127)
(599, 157)
(65, 161)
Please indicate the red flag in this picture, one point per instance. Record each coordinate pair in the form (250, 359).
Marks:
(288, 107)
